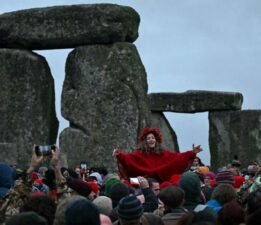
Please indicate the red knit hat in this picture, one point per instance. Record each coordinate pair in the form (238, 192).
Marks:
(174, 179)
(165, 184)
(238, 181)
(94, 186)
(146, 131)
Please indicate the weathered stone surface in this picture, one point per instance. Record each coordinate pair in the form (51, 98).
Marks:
(8, 153)
(235, 133)
(68, 26)
(195, 101)
(104, 97)
(26, 102)
(159, 121)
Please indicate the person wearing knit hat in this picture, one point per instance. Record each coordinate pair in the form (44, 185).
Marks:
(97, 177)
(26, 218)
(95, 190)
(129, 209)
(59, 218)
(151, 159)
(224, 177)
(203, 170)
(117, 192)
(175, 178)
(109, 184)
(79, 186)
(104, 204)
(82, 211)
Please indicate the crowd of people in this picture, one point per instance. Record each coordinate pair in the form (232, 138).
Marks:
(153, 186)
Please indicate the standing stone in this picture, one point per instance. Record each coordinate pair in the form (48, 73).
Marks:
(26, 102)
(235, 133)
(105, 99)
(68, 26)
(159, 121)
(8, 153)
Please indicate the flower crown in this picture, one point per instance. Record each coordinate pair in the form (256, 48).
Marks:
(146, 131)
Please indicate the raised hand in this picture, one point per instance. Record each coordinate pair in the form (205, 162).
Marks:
(196, 149)
(116, 152)
(35, 161)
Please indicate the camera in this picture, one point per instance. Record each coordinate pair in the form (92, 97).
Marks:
(45, 150)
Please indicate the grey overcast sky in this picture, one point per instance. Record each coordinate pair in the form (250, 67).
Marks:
(185, 45)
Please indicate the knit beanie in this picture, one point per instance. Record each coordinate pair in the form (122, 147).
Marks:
(81, 187)
(109, 183)
(224, 177)
(174, 179)
(210, 175)
(26, 218)
(82, 211)
(97, 177)
(117, 192)
(104, 204)
(203, 170)
(165, 184)
(59, 218)
(94, 186)
(238, 181)
(130, 208)
(190, 183)
(252, 169)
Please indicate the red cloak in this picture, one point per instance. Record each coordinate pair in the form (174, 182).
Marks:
(159, 166)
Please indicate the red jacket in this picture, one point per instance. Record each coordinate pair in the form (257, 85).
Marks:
(159, 166)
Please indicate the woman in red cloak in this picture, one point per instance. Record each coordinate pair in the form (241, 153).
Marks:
(152, 160)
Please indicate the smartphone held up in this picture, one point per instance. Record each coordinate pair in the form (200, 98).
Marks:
(44, 150)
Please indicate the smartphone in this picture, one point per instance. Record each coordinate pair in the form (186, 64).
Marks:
(45, 150)
(83, 165)
(134, 180)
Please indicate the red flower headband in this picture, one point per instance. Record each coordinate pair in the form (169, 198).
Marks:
(146, 131)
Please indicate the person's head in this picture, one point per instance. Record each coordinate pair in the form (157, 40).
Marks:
(224, 193)
(117, 192)
(82, 211)
(129, 209)
(231, 214)
(59, 218)
(225, 177)
(154, 185)
(172, 197)
(95, 190)
(26, 218)
(197, 162)
(150, 140)
(104, 204)
(80, 187)
(190, 183)
(254, 218)
(43, 204)
(253, 202)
